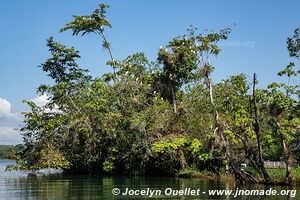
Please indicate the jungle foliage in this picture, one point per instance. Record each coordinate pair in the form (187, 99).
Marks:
(160, 117)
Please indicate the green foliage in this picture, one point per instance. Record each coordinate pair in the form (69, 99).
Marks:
(50, 157)
(8, 151)
(154, 117)
(62, 66)
(89, 23)
(93, 23)
(167, 147)
(108, 166)
(179, 63)
(293, 44)
(208, 43)
(279, 174)
(175, 153)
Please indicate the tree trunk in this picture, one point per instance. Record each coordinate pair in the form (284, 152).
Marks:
(218, 129)
(108, 47)
(174, 100)
(288, 168)
(248, 151)
(286, 156)
(257, 133)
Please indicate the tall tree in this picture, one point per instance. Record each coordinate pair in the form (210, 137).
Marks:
(93, 23)
(208, 46)
(179, 62)
(257, 129)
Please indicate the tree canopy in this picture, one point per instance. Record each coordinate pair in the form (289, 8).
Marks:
(160, 117)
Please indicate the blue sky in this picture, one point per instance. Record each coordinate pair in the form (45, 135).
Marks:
(257, 42)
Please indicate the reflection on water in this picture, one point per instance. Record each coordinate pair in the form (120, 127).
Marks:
(21, 185)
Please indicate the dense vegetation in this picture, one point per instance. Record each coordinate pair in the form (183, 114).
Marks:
(160, 117)
(6, 151)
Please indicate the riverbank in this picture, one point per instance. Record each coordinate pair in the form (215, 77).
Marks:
(277, 176)
(20, 185)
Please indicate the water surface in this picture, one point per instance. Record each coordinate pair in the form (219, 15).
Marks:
(21, 185)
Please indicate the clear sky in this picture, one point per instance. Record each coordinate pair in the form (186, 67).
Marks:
(257, 42)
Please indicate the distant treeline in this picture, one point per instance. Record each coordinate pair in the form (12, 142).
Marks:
(6, 150)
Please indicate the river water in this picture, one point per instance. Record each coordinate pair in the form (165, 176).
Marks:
(22, 185)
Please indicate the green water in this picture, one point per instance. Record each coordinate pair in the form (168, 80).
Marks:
(21, 185)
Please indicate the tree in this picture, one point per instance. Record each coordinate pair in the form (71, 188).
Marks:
(293, 44)
(46, 127)
(166, 116)
(208, 46)
(284, 122)
(178, 67)
(282, 104)
(94, 23)
(257, 130)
